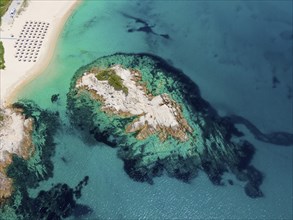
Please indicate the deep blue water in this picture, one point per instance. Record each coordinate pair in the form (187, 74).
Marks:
(239, 53)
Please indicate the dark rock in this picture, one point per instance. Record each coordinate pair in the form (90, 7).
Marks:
(253, 191)
(241, 176)
(81, 211)
(245, 153)
(57, 203)
(64, 159)
(104, 138)
(254, 176)
(54, 98)
(231, 182)
(130, 168)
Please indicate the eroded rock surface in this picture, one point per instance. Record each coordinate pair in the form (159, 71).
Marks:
(155, 114)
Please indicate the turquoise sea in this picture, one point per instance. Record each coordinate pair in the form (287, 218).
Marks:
(239, 53)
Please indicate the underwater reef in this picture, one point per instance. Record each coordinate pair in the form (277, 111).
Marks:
(26, 173)
(212, 145)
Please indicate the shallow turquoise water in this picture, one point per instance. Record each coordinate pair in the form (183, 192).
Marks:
(231, 50)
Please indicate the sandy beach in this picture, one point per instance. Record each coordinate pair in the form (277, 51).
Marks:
(18, 72)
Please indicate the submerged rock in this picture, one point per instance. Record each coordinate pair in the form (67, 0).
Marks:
(187, 136)
(55, 98)
(57, 203)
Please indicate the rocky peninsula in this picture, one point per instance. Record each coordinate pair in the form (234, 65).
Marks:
(27, 146)
(155, 116)
(15, 138)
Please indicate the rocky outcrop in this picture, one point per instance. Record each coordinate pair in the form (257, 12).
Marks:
(15, 138)
(154, 114)
(161, 125)
(26, 173)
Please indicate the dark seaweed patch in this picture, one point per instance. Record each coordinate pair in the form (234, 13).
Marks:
(146, 28)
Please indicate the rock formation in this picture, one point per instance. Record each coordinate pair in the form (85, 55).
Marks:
(157, 119)
(15, 138)
(155, 114)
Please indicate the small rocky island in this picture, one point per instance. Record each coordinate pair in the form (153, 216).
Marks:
(154, 115)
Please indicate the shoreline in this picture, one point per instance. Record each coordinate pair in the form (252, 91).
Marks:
(11, 83)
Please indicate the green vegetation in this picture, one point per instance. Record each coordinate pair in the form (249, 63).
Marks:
(113, 79)
(4, 5)
(2, 117)
(2, 62)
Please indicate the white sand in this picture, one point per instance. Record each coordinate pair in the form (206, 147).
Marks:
(18, 73)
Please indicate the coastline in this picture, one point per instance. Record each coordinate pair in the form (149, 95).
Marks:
(18, 74)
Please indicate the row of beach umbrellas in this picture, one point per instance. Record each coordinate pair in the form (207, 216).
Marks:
(30, 40)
